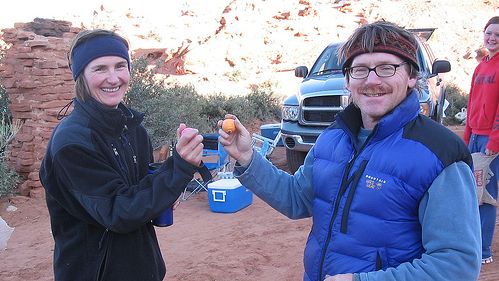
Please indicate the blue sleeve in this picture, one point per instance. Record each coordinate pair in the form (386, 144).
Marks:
(291, 195)
(450, 223)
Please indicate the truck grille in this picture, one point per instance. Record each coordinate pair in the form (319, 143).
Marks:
(318, 116)
(309, 139)
(322, 101)
(320, 111)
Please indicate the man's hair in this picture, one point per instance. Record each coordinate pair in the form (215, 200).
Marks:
(492, 20)
(81, 88)
(382, 37)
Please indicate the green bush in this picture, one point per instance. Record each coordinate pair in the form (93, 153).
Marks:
(8, 177)
(166, 108)
(4, 105)
(180, 104)
(4, 99)
(263, 103)
(458, 100)
(143, 84)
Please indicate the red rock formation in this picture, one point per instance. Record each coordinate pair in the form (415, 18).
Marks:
(37, 78)
(169, 62)
(38, 81)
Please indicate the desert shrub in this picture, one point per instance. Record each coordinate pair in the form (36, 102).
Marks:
(179, 104)
(215, 106)
(8, 177)
(4, 105)
(143, 84)
(457, 99)
(166, 107)
(263, 103)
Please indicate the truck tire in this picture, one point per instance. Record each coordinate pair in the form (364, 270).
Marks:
(437, 116)
(295, 159)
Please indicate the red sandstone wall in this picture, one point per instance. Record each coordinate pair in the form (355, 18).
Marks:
(38, 81)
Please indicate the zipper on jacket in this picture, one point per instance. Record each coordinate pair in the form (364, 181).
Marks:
(119, 160)
(126, 142)
(346, 210)
(127, 160)
(343, 187)
(379, 262)
(104, 259)
(104, 235)
(345, 181)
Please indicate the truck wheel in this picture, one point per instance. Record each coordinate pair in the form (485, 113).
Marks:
(436, 114)
(295, 159)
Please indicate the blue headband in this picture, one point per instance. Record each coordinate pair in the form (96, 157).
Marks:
(96, 47)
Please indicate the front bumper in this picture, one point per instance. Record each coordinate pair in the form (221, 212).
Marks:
(300, 138)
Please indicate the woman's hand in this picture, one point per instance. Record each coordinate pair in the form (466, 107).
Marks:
(189, 144)
(237, 143)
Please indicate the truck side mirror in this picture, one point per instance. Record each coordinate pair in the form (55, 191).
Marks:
(440, 66)
(301, 71)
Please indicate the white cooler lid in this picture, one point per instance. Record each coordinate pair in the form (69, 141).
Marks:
(225, 184)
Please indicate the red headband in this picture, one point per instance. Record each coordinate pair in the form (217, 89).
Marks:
(399, 46)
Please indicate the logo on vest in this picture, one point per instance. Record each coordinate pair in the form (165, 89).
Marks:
(374, 182)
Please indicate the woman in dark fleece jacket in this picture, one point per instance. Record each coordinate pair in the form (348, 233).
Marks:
(99, 194)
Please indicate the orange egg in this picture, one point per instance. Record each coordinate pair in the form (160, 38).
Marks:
(229, 126)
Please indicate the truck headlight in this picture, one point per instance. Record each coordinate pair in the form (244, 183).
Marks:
(290, 112)
(424, 108)
(345, 101)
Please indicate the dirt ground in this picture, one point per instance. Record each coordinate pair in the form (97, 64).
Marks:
(256, 243)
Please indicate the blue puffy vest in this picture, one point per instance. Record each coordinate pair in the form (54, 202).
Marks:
(365, 209)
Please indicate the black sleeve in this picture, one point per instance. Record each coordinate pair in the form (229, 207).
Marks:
(92, 190)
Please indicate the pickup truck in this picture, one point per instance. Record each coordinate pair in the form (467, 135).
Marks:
(322, 94)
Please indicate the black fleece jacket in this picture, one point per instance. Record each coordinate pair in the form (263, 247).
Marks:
(100, 197)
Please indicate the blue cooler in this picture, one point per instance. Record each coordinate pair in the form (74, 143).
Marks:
(270, 131)
(228, 196)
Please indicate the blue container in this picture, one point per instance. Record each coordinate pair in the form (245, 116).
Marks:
(270, 131)
(165, 218)
(228, 196)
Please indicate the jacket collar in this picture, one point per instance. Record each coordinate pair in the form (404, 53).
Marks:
(351, 120)
(113, 121)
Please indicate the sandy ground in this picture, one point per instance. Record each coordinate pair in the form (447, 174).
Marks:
(256, 243)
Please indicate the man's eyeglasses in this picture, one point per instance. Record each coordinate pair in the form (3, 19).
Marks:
(382, 70)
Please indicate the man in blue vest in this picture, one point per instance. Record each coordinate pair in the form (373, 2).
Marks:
(391, 192)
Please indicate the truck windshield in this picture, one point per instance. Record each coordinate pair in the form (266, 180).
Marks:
(327, 63)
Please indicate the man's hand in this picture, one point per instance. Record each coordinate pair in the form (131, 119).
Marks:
(238, 143)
